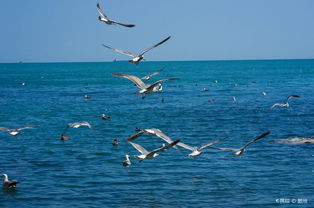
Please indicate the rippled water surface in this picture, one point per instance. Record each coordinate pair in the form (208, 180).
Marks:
(87, 171)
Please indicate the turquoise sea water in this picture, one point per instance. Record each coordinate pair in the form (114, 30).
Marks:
(87, 171)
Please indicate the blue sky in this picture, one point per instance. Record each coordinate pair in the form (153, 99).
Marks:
(68, 30)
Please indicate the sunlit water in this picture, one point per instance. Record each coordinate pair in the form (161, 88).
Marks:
(87, 171)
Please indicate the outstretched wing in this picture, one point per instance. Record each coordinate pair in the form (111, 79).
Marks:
(139, 148)
(292, 96)
(276, 104)
(254, 140)
(154, 46)
(161, 135)
(137, 81)
(222, 148)
(4, 129)
(209, 143)
(185, 146)
(152, 74)
(134, 136)
(163, 148)
(121, 51)
(27, 127)
(125, 25)
(101, 12)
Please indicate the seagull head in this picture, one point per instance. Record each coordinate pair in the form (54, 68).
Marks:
(5, 177)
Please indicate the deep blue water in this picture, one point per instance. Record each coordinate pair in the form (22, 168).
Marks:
(87, 171)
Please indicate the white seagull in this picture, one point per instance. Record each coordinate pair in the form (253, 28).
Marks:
(147, 77)
(127, 161)
(8, 183)
(145, 155)
(145, 89)
(157, 132)
(239, 151)
(285, 105)
(15, 132)
(74, 125)
(137, 57)
(103, 17)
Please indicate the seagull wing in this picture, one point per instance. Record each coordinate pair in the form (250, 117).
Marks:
(161, 149)
(101, 12)
(134, 136)
(186, 146)
(121, 51)
(292, 96)
(4, 129)
(125, 25)
(159, 81)
(222, 148)
(139, 148)
(276, 104)
(27, 127)
(154, 46)
(85, 123)
(152, 74)
(137, 81)
(209, 143)
(159, 134)
(254, 140)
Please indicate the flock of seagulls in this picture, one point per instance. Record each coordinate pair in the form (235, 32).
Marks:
(195, 151)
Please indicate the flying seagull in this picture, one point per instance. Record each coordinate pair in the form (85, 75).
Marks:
(157, 132)
(8, 183)
(147, 77)
(74, 125)
(137, 57)
(145, 89)
(145, 155)
(103, 17)
(285, 105)
(240, 151)
(127, 161)
(15, 132)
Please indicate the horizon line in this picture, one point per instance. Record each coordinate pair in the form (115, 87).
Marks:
(47, 62)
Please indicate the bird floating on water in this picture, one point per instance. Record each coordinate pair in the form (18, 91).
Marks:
(103, 17)
(87, 97)
(15, 132)
(115, 142)
(127, 161)
(147, 77)
(239, 151)
(145, 155)
(137, 57)
(8, 184)
(285, 105)
(104, 117)
(145, 89)
(264, 93)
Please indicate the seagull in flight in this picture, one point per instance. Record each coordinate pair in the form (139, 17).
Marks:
(136, 57)
(239, 151)
(147, 77)
(15, 132)
(7, 184)
(103, 17)
(285, 105)
(157, 132)
(145, 155)
(145, 89)
(74, 125)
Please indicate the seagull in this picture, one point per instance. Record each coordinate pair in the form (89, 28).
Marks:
(15, 132)
(145, 155)
(240, 151)
(157, 132)
(147, 77)
(74, 125)
(127, 161)
(285, 105)
(87, 97)
(115, 142)
(103, 17)
(104, 117)
(137, 57)
(145, 89)
(8, 183)
(264, 93)
(234, 99)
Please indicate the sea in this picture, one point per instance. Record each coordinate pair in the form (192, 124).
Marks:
(211, 100)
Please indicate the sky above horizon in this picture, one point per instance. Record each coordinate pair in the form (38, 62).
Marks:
(69, 31)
